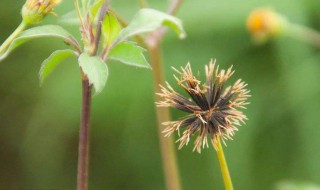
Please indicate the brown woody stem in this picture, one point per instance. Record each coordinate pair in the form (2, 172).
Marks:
(84, 137)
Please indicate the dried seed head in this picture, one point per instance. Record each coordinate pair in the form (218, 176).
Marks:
(34, 11)
(213, 108)
(264, 23)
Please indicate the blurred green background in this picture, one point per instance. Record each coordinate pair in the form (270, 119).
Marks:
(39, 126)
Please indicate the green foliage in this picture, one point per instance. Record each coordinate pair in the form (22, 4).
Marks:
(110, 29)
(148, 20)
(38, 32)
(280, 141)
(96, 7)
(52, 62)
(114, 44)
(129, 53)
(70, 17)
(95, 69)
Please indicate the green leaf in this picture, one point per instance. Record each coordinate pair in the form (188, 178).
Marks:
(130, 54)
(70, 18)
(147, 20)
(110, 29)
(38, 32)
(84, 4)
(96, 7)
(52, 62)
(95, 69)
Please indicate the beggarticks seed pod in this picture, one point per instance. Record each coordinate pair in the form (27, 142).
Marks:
(265, 24)
(34, 11)
(213, 109)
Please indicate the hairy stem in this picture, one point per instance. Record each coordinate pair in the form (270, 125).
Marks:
(84, 137)
(166, 143)
(224, 167)
(8, 41)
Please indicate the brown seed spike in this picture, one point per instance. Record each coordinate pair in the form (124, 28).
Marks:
(212, 108)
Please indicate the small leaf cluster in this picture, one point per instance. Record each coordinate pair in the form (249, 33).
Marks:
(103, 39)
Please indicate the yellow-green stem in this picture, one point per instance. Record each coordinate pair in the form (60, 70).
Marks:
(304, 34)
(224, 167)
(13, 36)
(169, 163)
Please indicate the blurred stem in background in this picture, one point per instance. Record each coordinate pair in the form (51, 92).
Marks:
(169, 159)
(304, 34)
(152, 42)
(265, 24)
(166, 143)
(223, 166)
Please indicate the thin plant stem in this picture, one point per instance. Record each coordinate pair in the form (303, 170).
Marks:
(76, 3)
(170, 168)
(84, 136)
(8, 41)
(103, 11)
(223, 166)
(168, 154)
(152, 43)
(304, 34)
(174, 6)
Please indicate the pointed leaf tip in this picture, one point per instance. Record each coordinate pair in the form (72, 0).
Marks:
(148, 20)
(95, 69)
(129, 53)
(52, 62)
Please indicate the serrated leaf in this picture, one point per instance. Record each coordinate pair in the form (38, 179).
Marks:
(52, 62)
(147, 20)
(95, 69)
(37, 32)
(110, 29)
(130, 54)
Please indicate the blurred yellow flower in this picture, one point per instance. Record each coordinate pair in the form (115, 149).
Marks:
(264, 23)
(34, 11)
